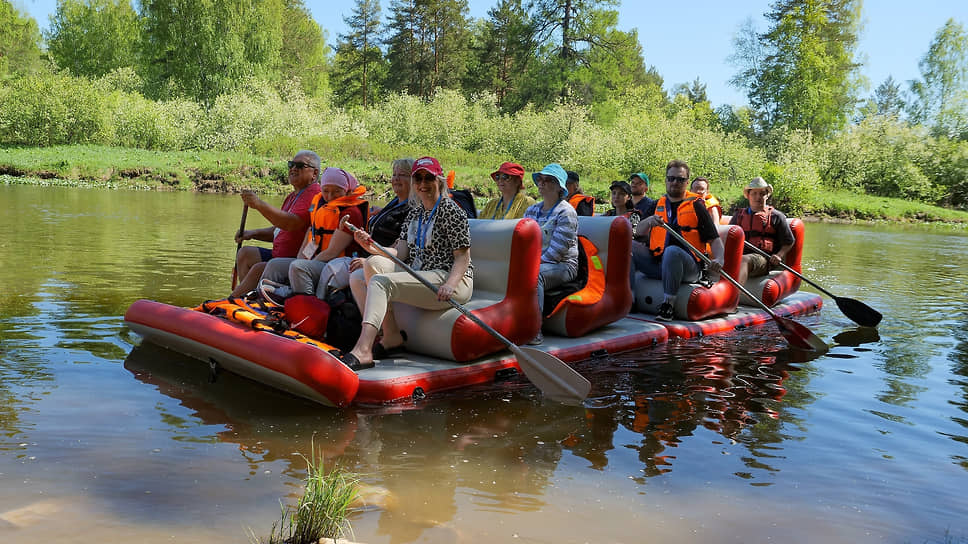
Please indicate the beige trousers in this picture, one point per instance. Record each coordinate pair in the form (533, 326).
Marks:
(391, 282)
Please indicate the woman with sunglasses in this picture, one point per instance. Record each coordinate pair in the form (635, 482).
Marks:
(436, 242)
(513, 201)
(289, 223)
(559, 232)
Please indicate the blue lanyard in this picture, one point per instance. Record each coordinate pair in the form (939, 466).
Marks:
(498, 207)
(421, 240)
(549, 212)
(292, 204)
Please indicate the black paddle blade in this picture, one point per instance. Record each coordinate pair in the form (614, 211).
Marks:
(799, 336)
(858, 312)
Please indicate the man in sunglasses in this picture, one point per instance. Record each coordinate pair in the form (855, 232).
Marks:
(660, 256)
(289, 223)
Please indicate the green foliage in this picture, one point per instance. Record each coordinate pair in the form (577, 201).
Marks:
(428, 45)
(801, 73)
(19, 42)
(360, 67)
(502, 47)
(93, 37)
(52, 109)
(942, 94)
(879, 156)
(303, 53)
(323, 509)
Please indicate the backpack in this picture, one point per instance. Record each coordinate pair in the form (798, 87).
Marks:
(345, 320)
(308, 315)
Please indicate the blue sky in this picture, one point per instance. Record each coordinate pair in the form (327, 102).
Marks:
(690, 39)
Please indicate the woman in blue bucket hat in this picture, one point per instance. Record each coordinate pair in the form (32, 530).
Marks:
(559, 232)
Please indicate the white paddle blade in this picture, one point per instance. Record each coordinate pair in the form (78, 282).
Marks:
(551, 375)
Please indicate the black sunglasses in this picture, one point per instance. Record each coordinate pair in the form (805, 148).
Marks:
(417, 178)
(677, 179)
(299, 165)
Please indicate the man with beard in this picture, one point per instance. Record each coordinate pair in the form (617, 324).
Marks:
(660, 256)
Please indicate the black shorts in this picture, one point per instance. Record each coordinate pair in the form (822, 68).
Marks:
(265, 254)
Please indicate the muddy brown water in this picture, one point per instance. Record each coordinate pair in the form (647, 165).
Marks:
(721, 439)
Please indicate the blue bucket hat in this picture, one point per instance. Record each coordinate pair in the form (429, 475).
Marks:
(554, 170)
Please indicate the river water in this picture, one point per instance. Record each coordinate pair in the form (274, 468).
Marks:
(721, 439)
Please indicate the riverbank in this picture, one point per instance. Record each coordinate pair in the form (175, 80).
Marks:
(230, 172)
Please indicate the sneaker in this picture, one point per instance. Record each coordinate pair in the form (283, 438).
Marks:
(665, 312)
(537, 340)
(274, 292)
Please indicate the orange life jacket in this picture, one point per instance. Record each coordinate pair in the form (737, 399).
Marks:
(324, 220)
(713, 202)
(578, 198)
(758, 228)
(686, 223)
(594, 287)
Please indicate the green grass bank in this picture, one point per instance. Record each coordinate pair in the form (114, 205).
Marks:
(230, 171)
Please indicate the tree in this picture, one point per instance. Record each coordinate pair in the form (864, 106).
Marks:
(502, 47)
(695, 92)
(888, 100)
(359, 60)
(19, 42)
(941, 96)
(428, 45)
(92, 37)
(304, 52)
(204, 48)
(801, 73)
(580, 54)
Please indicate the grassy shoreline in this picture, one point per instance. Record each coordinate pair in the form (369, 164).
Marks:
(230, 172)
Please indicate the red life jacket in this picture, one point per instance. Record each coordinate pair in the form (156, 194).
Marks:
(758, 228)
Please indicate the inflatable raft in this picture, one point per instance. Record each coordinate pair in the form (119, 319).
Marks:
(446, 350)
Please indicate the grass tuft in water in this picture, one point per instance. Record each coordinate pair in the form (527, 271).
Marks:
(322, 511)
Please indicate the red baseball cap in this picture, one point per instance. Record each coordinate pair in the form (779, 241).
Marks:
(429, 164)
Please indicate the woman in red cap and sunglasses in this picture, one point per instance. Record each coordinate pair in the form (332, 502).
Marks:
(513, 201)
(436, 242)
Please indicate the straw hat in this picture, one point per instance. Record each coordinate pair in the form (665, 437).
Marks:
(757, 183)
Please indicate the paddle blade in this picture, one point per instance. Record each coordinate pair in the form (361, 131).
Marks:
(551, 375)
(799, 336)
(858, 312)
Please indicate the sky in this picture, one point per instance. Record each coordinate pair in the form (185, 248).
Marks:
(693, 38)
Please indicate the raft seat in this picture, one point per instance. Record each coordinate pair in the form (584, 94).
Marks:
(779, 284)
(694, 301)
(595, 306)
(506, 256)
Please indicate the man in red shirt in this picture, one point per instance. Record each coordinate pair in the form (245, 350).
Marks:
(289, 223)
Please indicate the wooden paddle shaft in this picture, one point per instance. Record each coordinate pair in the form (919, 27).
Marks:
(235, 271)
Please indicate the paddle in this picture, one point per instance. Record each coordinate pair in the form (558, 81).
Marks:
(796, 334)
(548, 373)
(235, 271)
(855, 310)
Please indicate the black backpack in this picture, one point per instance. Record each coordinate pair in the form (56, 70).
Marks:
(345, 320)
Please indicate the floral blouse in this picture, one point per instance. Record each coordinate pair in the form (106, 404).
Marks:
(432, 236)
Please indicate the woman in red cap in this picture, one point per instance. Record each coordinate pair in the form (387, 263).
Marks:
(436, 242)
(513, 201)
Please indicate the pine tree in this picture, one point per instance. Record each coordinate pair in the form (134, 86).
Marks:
(359, 60)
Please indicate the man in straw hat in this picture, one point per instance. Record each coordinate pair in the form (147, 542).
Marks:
(660, 256)
(765, 228)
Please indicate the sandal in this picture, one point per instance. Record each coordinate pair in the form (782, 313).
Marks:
(351, 361)
(380, 352)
